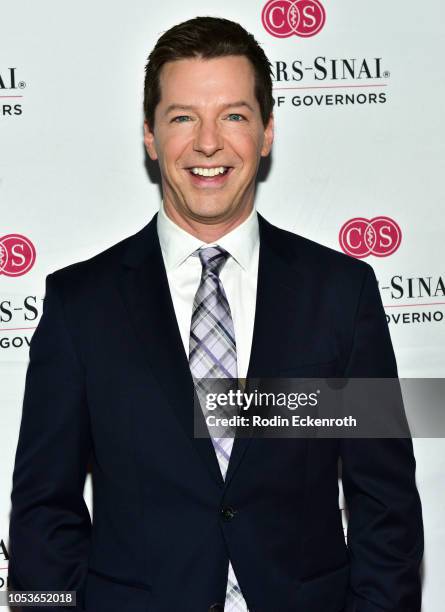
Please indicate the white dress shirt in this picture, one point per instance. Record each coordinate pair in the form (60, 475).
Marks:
(239, 277)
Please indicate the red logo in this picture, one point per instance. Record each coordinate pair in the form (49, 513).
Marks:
(17, 255)
(284, 18)
(380, 236)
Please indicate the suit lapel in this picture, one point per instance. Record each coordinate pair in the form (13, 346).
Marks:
(275, 317)
(144, 288)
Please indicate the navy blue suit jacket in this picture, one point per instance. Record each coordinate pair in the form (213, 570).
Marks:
(108, 385)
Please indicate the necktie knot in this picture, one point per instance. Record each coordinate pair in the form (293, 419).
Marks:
(213, 259)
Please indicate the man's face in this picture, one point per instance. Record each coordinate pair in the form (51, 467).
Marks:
(208, 121)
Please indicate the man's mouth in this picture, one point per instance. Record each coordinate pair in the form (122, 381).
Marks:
(206, 177)
(209, 173)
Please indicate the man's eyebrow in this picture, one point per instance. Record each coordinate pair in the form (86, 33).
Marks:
(184, 107)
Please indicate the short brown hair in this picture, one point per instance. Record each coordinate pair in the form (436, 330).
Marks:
(207, 38)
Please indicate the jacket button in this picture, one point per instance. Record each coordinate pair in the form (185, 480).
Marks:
(228, 513)
(216, 608)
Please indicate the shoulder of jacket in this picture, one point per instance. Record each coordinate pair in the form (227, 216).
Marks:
(93, 269)
(305, 251)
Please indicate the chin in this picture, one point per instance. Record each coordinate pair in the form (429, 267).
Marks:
(210, 210)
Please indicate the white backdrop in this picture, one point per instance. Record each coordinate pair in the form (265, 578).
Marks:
(73, 179)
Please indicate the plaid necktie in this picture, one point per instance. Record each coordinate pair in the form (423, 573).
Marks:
(213, 355)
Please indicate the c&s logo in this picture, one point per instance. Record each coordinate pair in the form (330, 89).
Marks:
(284, 18)
(360, 237)
(17, 255)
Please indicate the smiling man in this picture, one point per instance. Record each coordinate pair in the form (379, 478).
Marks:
(207, 289)
(208, 134)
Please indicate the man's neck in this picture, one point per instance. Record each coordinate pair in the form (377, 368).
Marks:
(211, 231)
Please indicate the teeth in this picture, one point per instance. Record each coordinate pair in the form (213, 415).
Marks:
(208, 171)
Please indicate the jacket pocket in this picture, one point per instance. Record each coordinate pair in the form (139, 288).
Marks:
(326, 592)
(107, 594)
(319, 369)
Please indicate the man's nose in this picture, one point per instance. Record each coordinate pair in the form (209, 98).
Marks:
(208, 138)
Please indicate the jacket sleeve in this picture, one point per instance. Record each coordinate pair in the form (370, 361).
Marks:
(385, 529)
(50, 524)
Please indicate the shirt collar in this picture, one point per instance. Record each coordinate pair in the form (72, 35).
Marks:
(177, 244)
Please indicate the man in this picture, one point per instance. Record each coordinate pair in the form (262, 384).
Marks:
(208, 288)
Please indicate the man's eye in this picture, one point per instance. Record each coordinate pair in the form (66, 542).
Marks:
(181, 119)
(235, 117)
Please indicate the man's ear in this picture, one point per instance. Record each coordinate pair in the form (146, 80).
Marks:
(268, 137)
(149, 140)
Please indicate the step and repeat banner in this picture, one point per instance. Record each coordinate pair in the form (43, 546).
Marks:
(357, 165)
